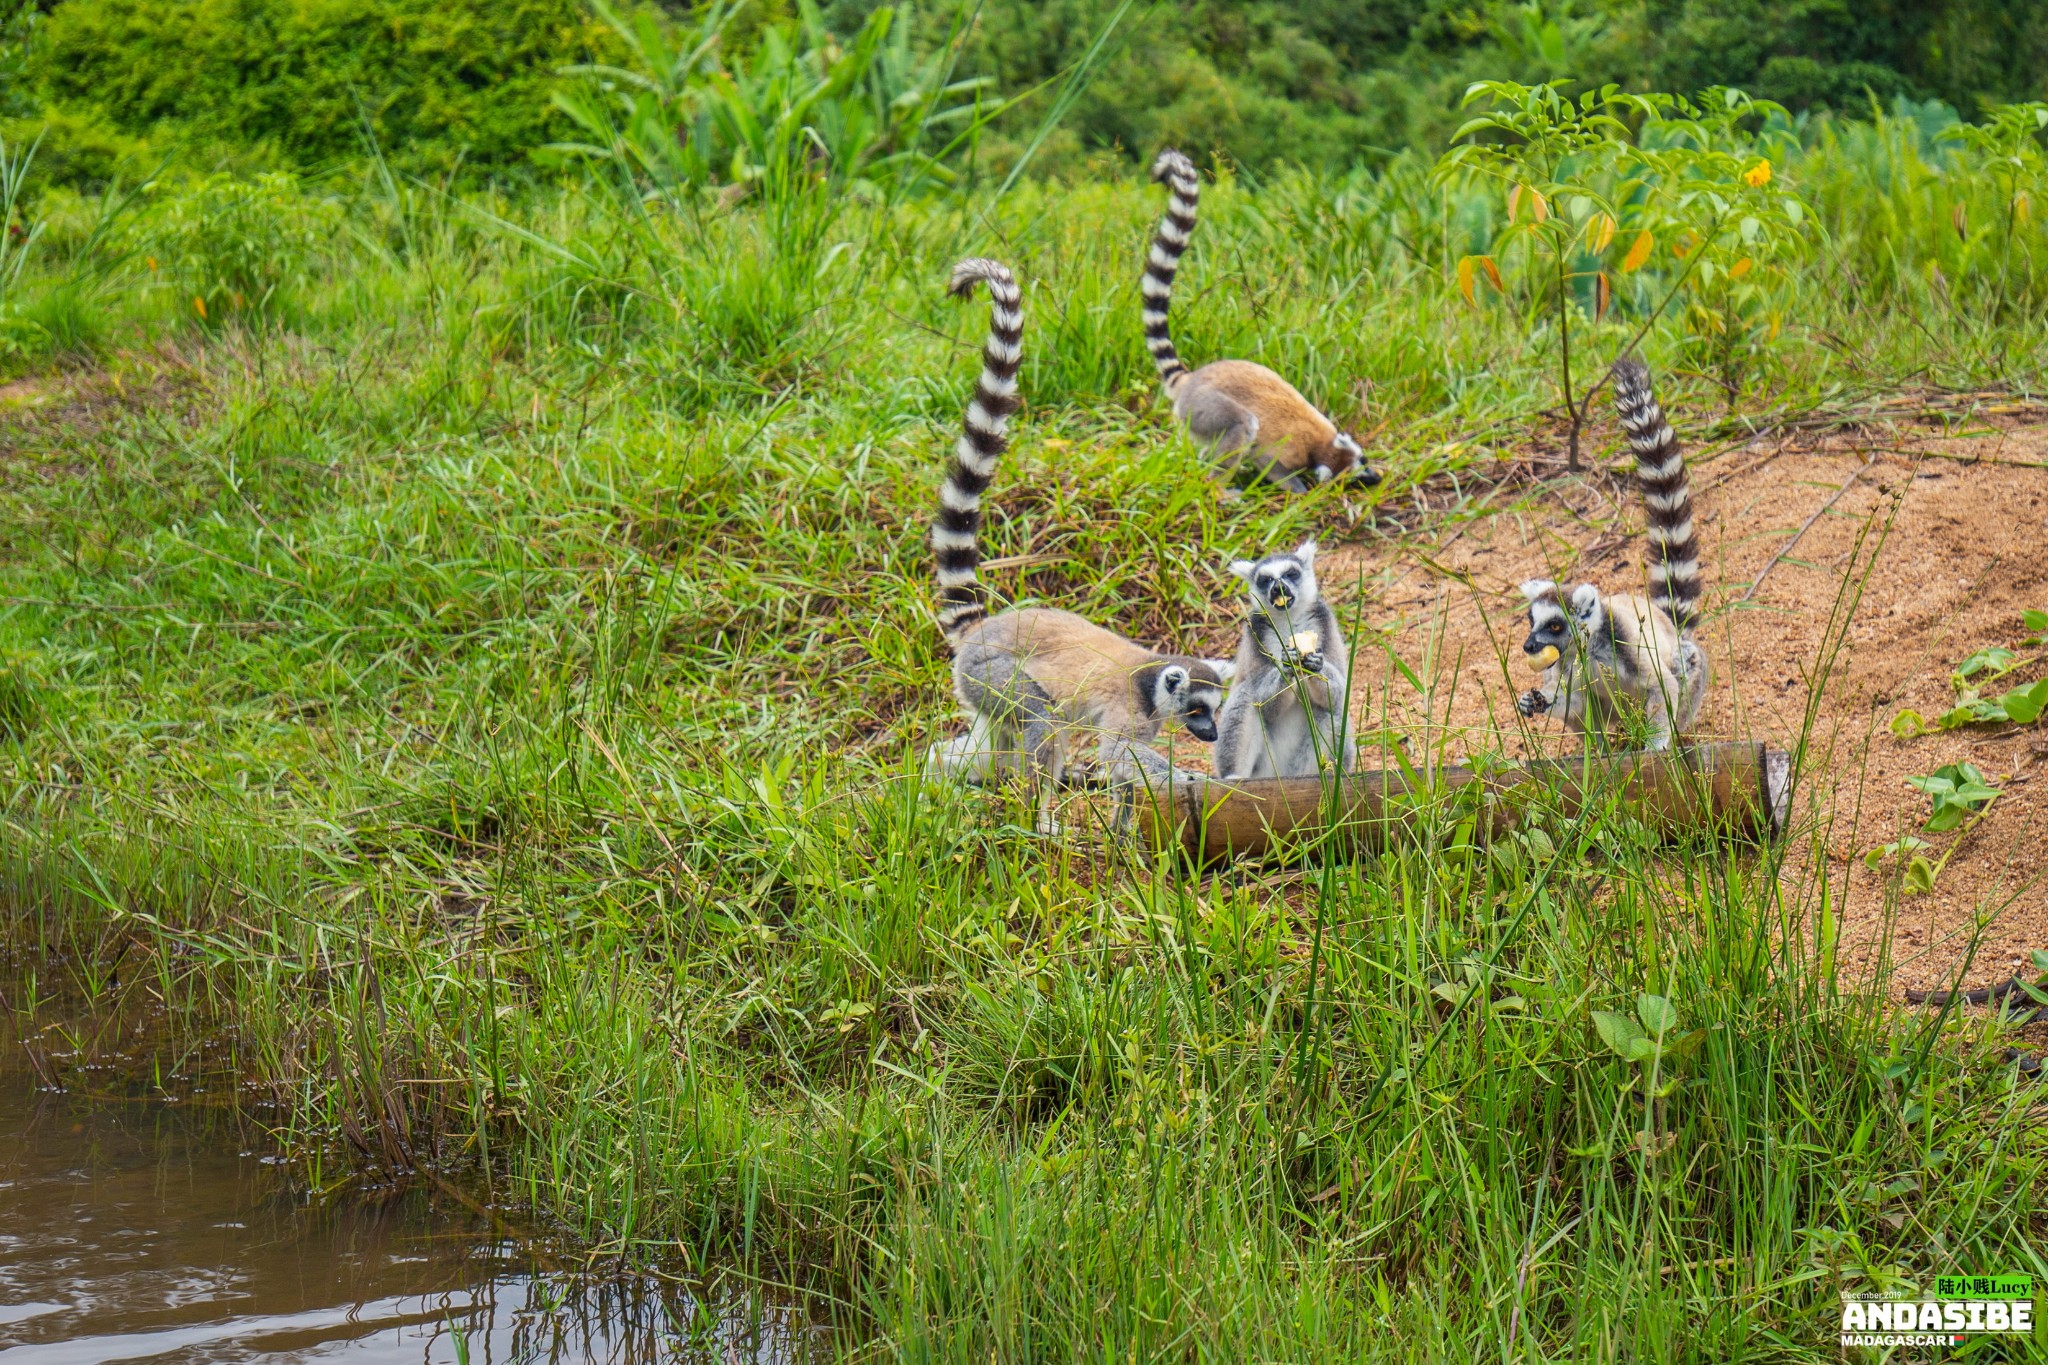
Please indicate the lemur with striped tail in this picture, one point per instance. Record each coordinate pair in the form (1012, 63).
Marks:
(1240, 410)
(1605, 656)
(1035, 681)
(1289, 708)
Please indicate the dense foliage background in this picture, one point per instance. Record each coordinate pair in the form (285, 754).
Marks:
(1329, 83)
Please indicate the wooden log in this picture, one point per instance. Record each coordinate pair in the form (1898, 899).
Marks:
(1739, 790)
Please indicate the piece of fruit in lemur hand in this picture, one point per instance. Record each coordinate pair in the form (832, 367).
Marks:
(1037, 682)
(1287, 713)
(1604, 657)
(1239, 410)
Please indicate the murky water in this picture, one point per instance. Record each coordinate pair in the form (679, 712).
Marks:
(136, 1229)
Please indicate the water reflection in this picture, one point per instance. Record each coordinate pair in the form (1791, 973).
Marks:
(136, 1229)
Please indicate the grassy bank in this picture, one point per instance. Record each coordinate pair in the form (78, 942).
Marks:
(476, 652)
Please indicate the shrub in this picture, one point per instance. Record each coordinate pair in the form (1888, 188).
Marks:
(79, 149)
(226, 246)
(442, 85)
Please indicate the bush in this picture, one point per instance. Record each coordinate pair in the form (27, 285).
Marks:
(81, 150)
(233, 247)
(443, 85)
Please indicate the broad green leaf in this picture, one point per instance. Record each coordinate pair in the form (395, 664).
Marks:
(2034, 620)
(1994, 659)
(1658, 1014)
(1955, 791)
(1908, 844)
(2025, 704)
(1920, 874)
(1618, 1031)
(1910, 725)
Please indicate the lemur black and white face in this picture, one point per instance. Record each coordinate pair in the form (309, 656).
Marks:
(1192, 694)
(1347, 462)
(1553, 623)
(1282, 585)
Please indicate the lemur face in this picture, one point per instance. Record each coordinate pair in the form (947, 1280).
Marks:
(1353, 465)
(1192, 695)
(1551, 624)
(1284, 583)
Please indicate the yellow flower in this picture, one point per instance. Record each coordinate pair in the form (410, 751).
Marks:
(1757, 176)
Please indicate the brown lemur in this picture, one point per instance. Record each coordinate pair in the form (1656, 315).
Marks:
(1604, 657)
(1240, 410)
(1036, 681)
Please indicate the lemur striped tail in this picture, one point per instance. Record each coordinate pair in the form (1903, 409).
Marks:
(1184, 189)
(1673, 557)
(956, 533)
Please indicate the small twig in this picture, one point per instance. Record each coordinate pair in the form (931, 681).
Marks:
(1021, 561)
(1808, 526)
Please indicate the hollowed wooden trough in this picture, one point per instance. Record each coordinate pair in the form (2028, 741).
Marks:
(1736, 790)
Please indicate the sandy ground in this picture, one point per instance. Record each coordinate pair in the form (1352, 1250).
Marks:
(1962, 517)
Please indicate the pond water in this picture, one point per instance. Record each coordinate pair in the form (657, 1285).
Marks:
(134, 1228)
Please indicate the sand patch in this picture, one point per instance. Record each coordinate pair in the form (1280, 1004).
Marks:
(1966, 550)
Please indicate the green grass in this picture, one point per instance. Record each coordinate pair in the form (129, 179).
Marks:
(483, 680)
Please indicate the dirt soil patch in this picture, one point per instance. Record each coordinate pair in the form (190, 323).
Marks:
(1966, 551)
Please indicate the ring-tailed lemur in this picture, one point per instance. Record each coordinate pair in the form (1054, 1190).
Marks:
(1240, 410)
(1287, 715)
(1034, 680)
(1607, 656)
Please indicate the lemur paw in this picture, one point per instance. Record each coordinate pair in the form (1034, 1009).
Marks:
(1532, 703)
(1312, 662)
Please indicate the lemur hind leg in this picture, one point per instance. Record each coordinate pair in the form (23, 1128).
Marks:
(1225, 427)
(986, 753)
(996, 685)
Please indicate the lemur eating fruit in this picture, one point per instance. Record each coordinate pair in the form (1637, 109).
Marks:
(1604, 656)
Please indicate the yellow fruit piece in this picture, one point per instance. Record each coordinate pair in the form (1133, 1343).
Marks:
(1541, 661)
(1308, 642)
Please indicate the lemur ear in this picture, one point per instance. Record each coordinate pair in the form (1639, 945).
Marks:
(1176, 680)
(1585, 599)
(1306, 552)
(1538, 587)
(1243, 568)
(1226, 669)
